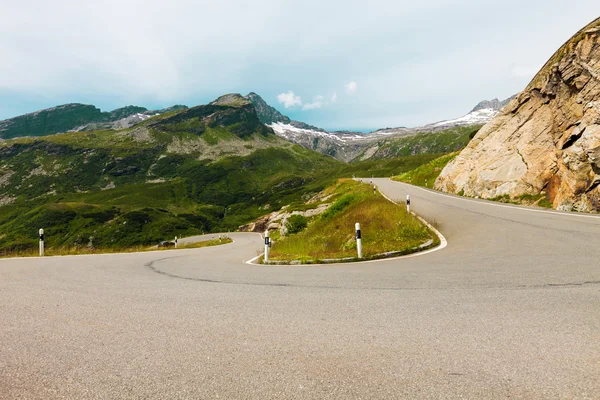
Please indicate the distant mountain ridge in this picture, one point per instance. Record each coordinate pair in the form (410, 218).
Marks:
(76, 117)
(269, 115)
(343, 145)
(493, 104)
(348, 146)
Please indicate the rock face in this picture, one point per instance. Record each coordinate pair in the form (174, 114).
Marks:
(269, 115)
(546, 140)
(350, 146)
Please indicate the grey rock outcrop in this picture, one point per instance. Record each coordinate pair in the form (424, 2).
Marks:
(546, 140)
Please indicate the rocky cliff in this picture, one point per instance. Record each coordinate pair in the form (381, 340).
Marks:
(546, 140)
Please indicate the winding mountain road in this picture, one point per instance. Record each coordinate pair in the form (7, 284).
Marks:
(510, 308)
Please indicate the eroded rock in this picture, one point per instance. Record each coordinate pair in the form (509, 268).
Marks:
(546, 139)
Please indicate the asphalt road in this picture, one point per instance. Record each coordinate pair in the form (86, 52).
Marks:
(509, 309)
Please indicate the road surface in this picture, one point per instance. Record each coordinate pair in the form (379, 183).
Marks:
(509, 309)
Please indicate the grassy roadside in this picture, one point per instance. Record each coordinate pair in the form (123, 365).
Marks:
(426, 174)
(72, 251)
(385, 227)
(539, 200)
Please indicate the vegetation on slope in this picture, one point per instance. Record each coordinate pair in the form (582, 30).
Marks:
(385, 227)
(151, 182)
(426, 174)
(448, 140)
(71, 250)
(388, 167)
(61, 119)
(205, 169)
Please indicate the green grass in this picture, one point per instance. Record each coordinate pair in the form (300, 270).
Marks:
(195, 197)
(539, 200)
(386, 167)
(112, 190)
(206, 243)
(81, 250)
(426, 174)
(385, 227)
(445, 141)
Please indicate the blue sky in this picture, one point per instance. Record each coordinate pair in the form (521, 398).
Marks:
(335, 64)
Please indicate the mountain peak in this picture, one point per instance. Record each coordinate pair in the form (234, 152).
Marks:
(493, 104)
(231, 111)
(231, 100)
(267, 114)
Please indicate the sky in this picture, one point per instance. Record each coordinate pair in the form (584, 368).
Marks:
(339, 64)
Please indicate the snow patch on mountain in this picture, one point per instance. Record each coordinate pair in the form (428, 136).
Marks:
(291, 132)
(476, 117)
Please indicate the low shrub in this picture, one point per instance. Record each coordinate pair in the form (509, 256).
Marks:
(296, 223)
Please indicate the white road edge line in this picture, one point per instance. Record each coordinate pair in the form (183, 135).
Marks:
(492, 204)
(443, 241)
(253, 259)
(442, 245)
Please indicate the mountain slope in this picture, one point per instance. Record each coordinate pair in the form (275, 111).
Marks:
(345, 146)
(354, 146)
(435, 142)
(74, 117)
(206, 168)
(546, 140)
(493, 104)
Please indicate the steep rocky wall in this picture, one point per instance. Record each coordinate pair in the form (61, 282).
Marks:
(546, 140)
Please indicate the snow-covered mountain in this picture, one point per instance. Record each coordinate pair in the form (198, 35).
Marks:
(343, 145)
(347, 145)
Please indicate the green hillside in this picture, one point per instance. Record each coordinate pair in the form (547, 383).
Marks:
(72, 117)
(426, 174)
(445, 141)
(208, 168)
(186, 171)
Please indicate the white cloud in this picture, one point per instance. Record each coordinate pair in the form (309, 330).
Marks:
(318, 102)
(351, 87)
(289, 99)
(447, 67)
(334, 97)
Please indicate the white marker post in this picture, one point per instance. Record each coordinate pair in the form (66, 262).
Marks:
(175, 241)
(358, 240)
(41, 242)
(408, 203)
(374, 189)
(267, 245)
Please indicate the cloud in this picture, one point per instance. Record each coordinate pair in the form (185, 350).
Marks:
(351, 87)
(289, 99)
(318, 102)
(334, 97)
(447, 67)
